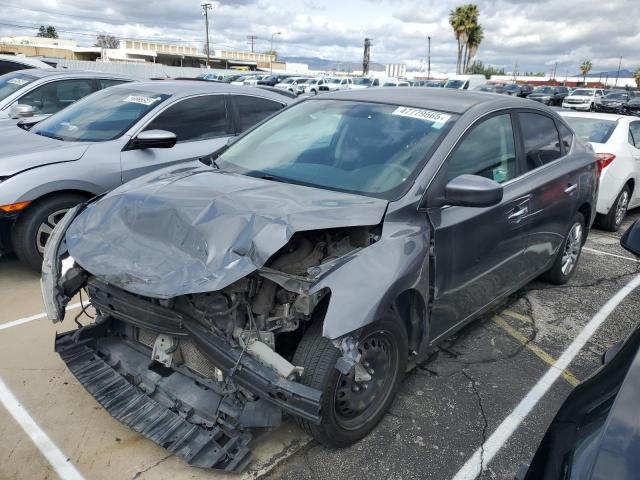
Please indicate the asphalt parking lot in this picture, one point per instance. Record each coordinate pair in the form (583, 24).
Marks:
(446, 408)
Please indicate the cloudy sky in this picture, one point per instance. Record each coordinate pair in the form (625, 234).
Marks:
(532, 34)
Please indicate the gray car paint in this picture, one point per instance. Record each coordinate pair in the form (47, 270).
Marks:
(402, 259)
(32, 166)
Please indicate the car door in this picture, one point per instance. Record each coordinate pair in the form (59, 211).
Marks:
(553, 182)
(248, 110)
(634, 147)
(55, 95)
(478, 251)
(202, 125)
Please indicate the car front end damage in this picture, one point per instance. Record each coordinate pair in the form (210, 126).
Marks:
(199, 371)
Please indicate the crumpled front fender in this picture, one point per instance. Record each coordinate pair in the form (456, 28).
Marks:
(368, 284)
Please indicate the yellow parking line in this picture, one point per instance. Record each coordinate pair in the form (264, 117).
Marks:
(537, 351)
(516, 316)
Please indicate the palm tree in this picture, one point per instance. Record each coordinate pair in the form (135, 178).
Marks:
(636, 77)
(470, 20)
(456, 20)
(585, 68)
(473, 43)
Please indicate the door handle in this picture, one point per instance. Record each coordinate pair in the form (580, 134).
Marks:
(570, 188)
(518, 213)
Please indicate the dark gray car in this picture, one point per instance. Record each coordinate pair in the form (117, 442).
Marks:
(299, 272)
(107, 139)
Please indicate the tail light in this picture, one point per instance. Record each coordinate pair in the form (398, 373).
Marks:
(603, 160)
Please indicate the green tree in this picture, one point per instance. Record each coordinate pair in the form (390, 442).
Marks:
(468, 33)
(107, 41)
(47, 32)
(475, 39)
(478, 68)
(585, 68)
(636, 77)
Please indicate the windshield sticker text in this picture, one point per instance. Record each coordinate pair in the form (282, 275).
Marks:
(438, 118)
(142, 100)
(18, 81)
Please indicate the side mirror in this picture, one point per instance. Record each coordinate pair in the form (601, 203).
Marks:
(630, 241)
(473, 191)
(154, 139)
(20, 110)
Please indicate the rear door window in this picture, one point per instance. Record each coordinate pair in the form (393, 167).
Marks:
(634, 134)
(54, 96)
(252, 110)
(197, 118)
(541, 140)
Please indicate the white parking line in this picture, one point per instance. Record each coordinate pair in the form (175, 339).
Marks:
(21, 321)
(600, 252)
(58, 460)
(483, 455)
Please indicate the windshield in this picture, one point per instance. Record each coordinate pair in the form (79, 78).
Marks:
(543, 90)
(365, 148)
(582, 92)
(511, 88)
(288, 80)
(103, 116)
(12, 82)
(454, 84)
(366, 82)
(616, 96)
(335, 80)
(592, 129)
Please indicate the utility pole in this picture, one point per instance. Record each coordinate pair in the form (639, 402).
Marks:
(252, 39)
(365, 57)
(271, 50)
(618, 74)
(206, 6)
(428, 58)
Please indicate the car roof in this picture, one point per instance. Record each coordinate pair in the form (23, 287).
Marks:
(183, 88)
(446, 100)
(54, 72)
(595, 115)
(28, 61)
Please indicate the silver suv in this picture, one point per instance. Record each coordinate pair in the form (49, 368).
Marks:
(107, 139)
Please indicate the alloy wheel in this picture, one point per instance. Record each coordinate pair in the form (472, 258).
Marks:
(572, 249)
(46, 227)
(621, 207)
(355, 403)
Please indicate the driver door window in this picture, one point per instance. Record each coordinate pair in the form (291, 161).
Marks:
(488, 151)
(54, 96)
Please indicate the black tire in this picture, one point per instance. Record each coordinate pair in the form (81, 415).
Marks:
(611, 221)
(25, 235)
(557, 275)
(318, 356)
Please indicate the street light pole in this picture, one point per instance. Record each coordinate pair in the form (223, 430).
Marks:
(205, 11)
(429, 58)
(271, 50)
(618, 74)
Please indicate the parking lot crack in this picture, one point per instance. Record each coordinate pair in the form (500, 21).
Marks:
(485, 426)
(142, 472)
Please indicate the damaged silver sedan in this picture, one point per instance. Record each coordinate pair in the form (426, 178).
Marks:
(296, 271)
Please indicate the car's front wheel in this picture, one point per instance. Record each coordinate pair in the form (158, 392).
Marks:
(612, 220)
(567, 258)
(34, 226)
(352, 408)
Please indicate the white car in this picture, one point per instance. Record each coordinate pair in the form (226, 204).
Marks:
(616, 140)
(290, 84)
(336, 83)
(584, 99)
(396, 83)
(253, 80)
(311, 85)
(465, 82)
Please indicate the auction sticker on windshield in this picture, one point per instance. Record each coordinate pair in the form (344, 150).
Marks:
(438, 118)
(141, 99)
(18, 81)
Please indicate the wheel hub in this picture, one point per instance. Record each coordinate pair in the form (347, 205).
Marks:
(572, 249)
(47, 226)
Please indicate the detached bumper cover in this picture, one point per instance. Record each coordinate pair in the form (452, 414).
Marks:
(213, 447)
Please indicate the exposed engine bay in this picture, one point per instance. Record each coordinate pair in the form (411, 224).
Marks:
(219, 361)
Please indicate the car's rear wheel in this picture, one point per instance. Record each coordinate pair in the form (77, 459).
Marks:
(351, 409)
(612, 220)
(34, 226)
(567, 258)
